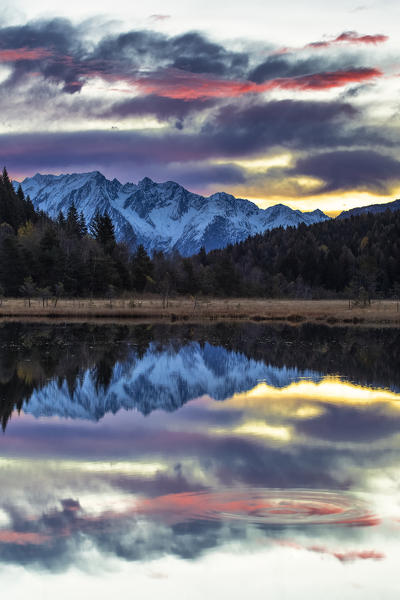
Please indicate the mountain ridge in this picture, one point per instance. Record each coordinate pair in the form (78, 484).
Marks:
(371, 208)
(161, 216)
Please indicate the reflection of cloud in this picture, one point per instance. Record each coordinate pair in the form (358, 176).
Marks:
(159, 17)
(351, 37)
(258, 428)
(16, 54)
(330, 390)
(23, 538)
(180, 523)
(341, 555)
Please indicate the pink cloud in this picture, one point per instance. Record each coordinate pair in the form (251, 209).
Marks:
(159, 17)
(347, 37)
(353, 37)
(326, 80)
(15, 54)
(189, 86)
(350, 37)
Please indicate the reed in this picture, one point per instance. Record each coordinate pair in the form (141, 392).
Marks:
(209, 309)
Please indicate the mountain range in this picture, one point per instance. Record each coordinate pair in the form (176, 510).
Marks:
(161, 216)
(166, 216)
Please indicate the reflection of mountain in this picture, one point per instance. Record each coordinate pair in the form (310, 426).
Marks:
(163, 379)
(165, 365)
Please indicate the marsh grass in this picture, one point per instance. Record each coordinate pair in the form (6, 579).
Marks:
(208, 309)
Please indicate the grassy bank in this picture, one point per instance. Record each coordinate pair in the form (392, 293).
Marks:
(325, 311)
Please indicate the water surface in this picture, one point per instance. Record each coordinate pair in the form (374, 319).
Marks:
(187, 461)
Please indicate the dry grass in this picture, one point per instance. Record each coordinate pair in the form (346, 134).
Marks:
(326, 311)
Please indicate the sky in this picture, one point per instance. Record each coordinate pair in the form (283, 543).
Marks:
(292, 101)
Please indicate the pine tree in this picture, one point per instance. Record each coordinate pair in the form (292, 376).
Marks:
(72, 222)
(102, 229)
(142, 268)
(82, 225)
(12, 269)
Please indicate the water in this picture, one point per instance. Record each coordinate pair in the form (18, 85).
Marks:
(194, 461)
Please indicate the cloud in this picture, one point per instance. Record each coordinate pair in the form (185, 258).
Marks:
(257, 126)
(159, 17)
(345, 38)
(187, 66)
(61, 54)
(231, 131)
(351, 169)
(162, 107)
(278, 66)
(17, 54)
(174, 83)
(327, 80)
(350, 37)
(213, 99)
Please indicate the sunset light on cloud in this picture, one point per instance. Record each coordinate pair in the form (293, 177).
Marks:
(149, 94)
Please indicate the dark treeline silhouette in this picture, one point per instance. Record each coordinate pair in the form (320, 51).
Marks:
(356, 257)
(40, 256)
(31, 354)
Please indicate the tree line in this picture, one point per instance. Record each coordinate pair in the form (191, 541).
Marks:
(63, 256)
(356, 257)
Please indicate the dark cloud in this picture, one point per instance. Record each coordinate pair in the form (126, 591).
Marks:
(351, 169)
(285, 66)
(59, 37)
(57, 51)
(193, 53)
(276, 66)
(55, 34)
(161, 107)
(233, 131)
(286, 123)
(357, 90)
(203, 174)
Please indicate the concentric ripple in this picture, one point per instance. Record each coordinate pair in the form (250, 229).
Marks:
(263, 505)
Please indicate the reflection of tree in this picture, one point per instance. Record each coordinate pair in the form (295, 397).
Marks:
(31, 355)
(103, 372)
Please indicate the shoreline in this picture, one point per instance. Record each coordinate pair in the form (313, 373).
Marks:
(328, 312)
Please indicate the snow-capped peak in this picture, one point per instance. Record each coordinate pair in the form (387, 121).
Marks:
(161, 216)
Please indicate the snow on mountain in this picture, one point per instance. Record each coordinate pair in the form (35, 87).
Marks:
(161, 379)
(162, 216)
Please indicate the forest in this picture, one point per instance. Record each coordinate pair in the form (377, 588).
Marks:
(356, 257)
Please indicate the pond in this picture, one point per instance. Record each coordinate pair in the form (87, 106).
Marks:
(199, 460)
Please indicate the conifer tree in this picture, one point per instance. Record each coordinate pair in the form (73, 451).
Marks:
(82, 225)
(142, 268)
(102, 229)
(72, 222)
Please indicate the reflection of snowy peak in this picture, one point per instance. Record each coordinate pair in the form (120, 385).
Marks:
(162, 216)
(162, 379)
